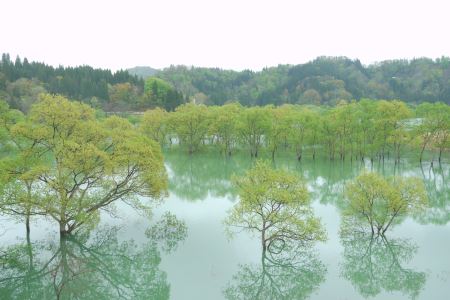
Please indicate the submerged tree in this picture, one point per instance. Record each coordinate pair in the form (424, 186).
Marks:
(253, 124)
(274, 204)
(434, 127)
(224, 126)
(279, 129)
(303, 130)
(91, 163)
(155, 125)
(380, 203)
(190, 122)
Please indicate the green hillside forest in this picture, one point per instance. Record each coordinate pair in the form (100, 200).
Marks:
(324, 81)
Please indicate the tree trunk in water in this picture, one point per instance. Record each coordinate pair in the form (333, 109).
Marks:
(63, 267)
(263, 240)
(421, 153)
(27, 224)
(63, 232)
(29, 248)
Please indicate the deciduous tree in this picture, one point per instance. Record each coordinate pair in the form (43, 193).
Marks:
(91, 163)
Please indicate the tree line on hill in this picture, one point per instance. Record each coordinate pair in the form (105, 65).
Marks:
(325, 80)
(21, 83)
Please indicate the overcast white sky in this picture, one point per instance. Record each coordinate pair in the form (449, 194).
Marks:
(232, 34)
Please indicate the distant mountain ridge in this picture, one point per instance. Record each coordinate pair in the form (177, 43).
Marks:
(142, 71)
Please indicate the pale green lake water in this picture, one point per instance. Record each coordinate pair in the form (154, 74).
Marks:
(118, 260)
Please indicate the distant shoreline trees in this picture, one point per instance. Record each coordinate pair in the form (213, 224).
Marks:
(368, 129)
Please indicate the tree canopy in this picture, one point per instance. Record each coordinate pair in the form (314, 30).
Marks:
(367, 129)
(275, 205)
(379, 203)
(80, 164)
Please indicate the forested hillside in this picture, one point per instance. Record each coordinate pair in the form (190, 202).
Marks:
(326, 80)
(22, 81)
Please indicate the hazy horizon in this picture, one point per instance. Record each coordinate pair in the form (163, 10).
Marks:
(13, 57)
(232, 35)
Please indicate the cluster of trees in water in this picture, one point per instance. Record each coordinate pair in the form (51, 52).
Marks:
(275, 205)
(274, 201)
(22, 81)
(356, 130)
(64, 162)
(325, 80)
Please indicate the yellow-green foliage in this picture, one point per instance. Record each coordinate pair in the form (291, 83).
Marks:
(253, 123)
(377, 202)
(223, 126)
(190, 122)
(155, 124)
(89, 163)
(275, 204)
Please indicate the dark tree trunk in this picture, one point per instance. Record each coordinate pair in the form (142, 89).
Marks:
(27, 224)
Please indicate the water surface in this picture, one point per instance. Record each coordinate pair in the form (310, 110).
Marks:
(132, 256)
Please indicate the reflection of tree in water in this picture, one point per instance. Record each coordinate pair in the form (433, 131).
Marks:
(90, 266)
(437, 183)
(288, 275)
(274, 205)
(196, 176)
(334, 175)
(374, 263)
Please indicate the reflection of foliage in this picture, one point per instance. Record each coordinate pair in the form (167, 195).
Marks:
(438, 190)
(373, 263)
(168, 231)
(97, 266)
(195, 176)
(293, 275)
(274, 204)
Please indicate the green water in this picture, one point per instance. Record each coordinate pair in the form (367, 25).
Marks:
(187, 255)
